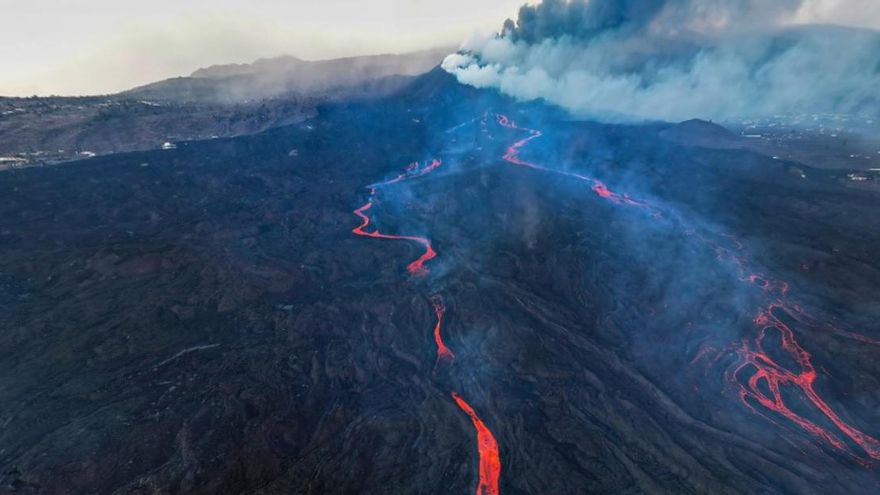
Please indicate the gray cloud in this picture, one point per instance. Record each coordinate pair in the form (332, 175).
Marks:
(676, 59)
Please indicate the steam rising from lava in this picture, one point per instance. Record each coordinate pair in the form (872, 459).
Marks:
(675, 60)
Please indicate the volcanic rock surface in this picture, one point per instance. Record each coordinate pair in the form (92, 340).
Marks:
(606, 310)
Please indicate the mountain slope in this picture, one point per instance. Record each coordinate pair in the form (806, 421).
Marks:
(287, 76)
(591, 308)
(215, 102)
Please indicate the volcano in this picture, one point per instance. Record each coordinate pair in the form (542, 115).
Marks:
(441, 291)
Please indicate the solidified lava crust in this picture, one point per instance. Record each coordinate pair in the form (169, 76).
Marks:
(751, 356)
(557, 307)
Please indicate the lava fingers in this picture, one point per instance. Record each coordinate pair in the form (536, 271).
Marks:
(761, 380)
(776, 376)
(753, 361)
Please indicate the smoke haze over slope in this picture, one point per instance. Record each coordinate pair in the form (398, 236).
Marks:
(676, 59)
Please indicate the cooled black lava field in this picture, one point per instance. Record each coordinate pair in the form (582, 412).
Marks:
(440, 292)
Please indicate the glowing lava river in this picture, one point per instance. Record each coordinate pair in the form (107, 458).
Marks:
(416, 267)
(487, 446)
(763, 387)
(777, 384)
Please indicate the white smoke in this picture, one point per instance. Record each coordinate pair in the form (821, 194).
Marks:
(676, 59)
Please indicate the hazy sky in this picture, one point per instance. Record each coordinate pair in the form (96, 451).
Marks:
(99, 46)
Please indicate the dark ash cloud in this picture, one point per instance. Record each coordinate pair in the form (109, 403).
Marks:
(676, 59)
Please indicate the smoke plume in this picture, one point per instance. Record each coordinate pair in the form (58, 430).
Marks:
(676, 59)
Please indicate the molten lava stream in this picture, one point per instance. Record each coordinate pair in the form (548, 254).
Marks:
(775, 376)
(598, 187)
(417, 267)
(413, 171)
(761, 380)
(443, 352)
(490, 461)
(752, 354)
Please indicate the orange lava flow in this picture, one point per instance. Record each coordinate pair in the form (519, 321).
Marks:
(413, 171)
(490, 461)
(512, 153)
(511, 156)
(753, 358)
(417, 267)
(443, 352)
(775, 376)
(761, 380)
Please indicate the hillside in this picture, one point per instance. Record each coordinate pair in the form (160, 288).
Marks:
(284, 77)
(214, 102)
(437, 291)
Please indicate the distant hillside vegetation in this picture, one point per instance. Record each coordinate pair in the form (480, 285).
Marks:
(218, 101)
(290, 76)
